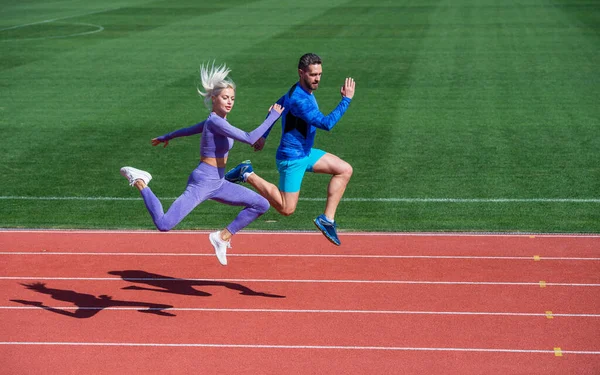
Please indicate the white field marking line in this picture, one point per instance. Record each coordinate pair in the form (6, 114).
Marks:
(57, 19)
(134, 279)
(97, 30)
(301, 311)
(385, 200)
(302, 233)
(313, 347)
(474, 257)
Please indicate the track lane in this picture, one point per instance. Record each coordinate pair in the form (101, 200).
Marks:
(314, 329)
(248, 361)
(308, 268)
(306, 243)
(310, 296)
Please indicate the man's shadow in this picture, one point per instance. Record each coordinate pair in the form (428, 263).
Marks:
(88, 305)
(167, 284)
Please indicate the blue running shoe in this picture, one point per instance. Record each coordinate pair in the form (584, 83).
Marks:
(328, 229)
(236, 175)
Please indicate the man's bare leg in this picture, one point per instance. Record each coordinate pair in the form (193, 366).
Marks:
(285, 203)
(341, 173)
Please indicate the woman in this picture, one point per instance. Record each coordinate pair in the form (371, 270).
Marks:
(207, 180)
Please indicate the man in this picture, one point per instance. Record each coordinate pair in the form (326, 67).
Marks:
(296, 155)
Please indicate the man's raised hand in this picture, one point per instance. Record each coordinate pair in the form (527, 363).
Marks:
(348, 89)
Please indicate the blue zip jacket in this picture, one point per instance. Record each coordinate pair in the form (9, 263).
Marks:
(300, 119)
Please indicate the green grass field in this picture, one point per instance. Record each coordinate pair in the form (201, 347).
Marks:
(470, 115)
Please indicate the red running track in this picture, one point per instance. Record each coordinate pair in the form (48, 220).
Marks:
(291, 303)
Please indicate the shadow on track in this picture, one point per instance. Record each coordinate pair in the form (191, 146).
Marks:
(88, 305)
(167, 284)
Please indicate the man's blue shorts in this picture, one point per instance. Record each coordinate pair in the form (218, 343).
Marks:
(291, 172)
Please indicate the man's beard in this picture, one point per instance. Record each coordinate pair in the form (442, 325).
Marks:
(312, 86)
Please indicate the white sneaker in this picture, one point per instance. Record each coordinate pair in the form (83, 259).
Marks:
(133, 174)
(220, 246)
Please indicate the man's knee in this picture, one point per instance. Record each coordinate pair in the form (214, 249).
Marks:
(287, 211)
(347, 170)
(344, 171)
(288, 207)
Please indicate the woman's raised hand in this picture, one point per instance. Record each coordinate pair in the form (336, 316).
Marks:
(158, 140)
(277, 108)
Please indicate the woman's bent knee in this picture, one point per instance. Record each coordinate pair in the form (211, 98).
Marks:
(262, 205)
(163, 227)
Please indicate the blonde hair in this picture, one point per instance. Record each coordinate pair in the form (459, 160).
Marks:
(214, 79)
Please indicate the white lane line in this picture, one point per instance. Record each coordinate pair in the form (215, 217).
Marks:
(250, 255)
(348, 199)
(134, 279)
(303, 233)
(313, 347)
(305, 311)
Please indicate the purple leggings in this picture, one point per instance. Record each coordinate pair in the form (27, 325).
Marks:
(206, 182)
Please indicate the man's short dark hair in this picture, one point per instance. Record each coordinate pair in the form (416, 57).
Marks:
(308, 59)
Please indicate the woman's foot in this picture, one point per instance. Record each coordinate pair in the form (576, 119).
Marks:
(134, 174)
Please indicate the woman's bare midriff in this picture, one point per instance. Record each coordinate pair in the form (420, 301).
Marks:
(215, 162)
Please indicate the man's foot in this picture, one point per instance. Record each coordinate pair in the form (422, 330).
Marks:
(328, 229)
(220, 246)
(236, 175)
(134, 174)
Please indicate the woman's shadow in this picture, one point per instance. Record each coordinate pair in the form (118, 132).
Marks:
(88, 305)
(167, 284)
